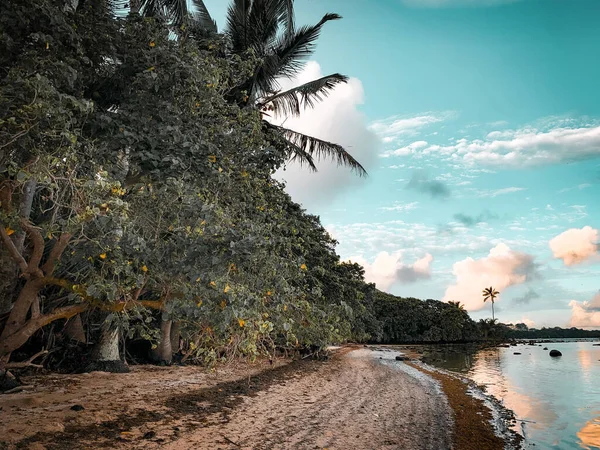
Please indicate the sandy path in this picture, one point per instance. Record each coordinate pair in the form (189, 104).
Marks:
(353, 401)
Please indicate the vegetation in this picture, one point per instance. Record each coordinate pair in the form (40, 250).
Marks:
(490, 294)
(137, 198)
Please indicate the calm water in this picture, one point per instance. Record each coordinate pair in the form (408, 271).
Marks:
(557, 400)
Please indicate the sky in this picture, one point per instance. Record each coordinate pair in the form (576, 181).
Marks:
(479, 124)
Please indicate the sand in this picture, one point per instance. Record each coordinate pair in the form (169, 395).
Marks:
(353, 401)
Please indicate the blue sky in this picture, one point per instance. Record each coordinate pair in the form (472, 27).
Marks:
(479, 122)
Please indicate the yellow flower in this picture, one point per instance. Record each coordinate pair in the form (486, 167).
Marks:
(220, 169)
(9, 231)
(102, 255)
(197, 104)
(199, 304)
(144, 268)
(242, 322)
(198, 280)
(232, 267)
(47, 46)
(223, 304)
(213, 284)
(244, 173)
(227, 289)
(303, 267)
(268, 293)
(212, 158)
(285, 307)
(152, 44)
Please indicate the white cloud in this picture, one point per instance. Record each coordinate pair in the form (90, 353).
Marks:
(502, 268)
(336, 119)
(526, 147)
(406, 150)
(530, 323)
(388, 269)
(487, 193)
(396, 127)
(576, 245)
(585, 314)
(455, 3)
(401, 207)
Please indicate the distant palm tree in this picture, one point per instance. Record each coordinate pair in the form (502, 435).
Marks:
(457, 305)
(490, 294)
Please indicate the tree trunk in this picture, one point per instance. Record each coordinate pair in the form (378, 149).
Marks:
(175, 334)
(74, 329)
(105, 355)
(163, 353)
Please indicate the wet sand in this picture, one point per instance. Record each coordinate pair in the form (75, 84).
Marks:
(353, 401)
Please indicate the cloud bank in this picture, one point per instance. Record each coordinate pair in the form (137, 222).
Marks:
(336, 119)
(526, 147)
(576, 245)
(388, 269)
(585, 314)
(502, 268)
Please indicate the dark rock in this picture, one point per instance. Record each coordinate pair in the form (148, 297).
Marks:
(402, 358)
(516, 353)
(77, 408)
(149, 435)
(545, 348)
(555, 353)
(596, 344)
(8, 381)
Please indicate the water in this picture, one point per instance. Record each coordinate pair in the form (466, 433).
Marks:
(557, 400)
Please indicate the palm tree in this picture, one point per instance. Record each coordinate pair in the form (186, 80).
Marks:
(490, 294)
(457, 305)
(266, 29)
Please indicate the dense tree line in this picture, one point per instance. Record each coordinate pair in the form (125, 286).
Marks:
(136, 188)
(521, 331)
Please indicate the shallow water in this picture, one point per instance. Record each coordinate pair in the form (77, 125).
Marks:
(557, 400)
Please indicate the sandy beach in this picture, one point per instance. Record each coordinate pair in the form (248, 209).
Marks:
(358, 399)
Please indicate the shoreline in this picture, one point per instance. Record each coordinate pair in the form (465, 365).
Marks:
(352, 401)
(481, 421)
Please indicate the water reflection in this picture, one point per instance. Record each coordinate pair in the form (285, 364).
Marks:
(589, 434)
(557, 400)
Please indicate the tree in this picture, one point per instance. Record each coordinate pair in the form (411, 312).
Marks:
(266, 30)
(490, 294)
(457, 305)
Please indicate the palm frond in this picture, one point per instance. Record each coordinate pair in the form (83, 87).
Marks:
(263, 22)
(293, 101)
(290, 53)
(286, 15)
(321, 149)
(203, 18)
(237, 29)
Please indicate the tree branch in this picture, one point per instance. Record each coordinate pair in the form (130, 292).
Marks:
(38, 246)
(12, 249)
(27, 363)
(56, 253)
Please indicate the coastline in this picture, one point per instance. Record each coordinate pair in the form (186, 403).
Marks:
(354, 400)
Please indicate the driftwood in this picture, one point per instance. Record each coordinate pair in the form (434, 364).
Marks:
(27, 363)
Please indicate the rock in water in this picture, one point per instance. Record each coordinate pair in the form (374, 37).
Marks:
(545, 348)
(555, 353)
(516, 353)
(402, 358)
